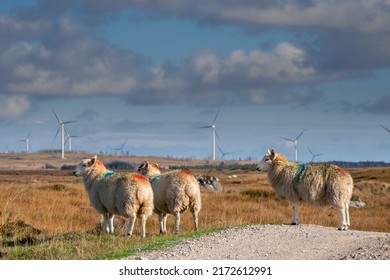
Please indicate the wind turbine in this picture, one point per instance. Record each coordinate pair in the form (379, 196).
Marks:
(69, 139)
(313, 155)
(213, 135)
(27, 142)
(6, 149)
(295, 141)
(61, 126)
(121, 148)
(223, 154)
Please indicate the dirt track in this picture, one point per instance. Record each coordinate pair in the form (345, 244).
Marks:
(279, 242)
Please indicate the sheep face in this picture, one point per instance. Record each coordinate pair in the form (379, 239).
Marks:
(265, 163)
(84, 166)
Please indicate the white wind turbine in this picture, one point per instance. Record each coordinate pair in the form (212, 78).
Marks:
(295, 141)
(121, 148)
(61, 126)
(213, 135)
(69, 139)
(27, 140)
(313, 155)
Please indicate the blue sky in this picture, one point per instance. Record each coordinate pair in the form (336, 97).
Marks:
(152, 72)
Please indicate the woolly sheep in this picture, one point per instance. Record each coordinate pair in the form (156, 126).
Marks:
(317, 184)
(174, 193)
(128, 195)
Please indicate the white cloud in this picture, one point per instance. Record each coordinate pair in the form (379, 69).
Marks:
(13, 107)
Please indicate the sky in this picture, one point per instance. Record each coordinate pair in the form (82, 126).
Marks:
(152, 72)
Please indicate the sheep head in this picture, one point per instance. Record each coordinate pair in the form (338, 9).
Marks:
(266, 161)
(149, 169)
(86, 165)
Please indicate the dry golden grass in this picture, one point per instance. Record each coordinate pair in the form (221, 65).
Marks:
(39, 205)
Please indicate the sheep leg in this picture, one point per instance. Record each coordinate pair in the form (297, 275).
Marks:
(195, 216)
(295, 215)
(343, 219)
(130, 225)
(347, 214)
(106, 226)
(162, 221)
(143, 226)
(177, 222)
(110, 222)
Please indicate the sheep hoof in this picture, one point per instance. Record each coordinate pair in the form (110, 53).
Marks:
(294, 224)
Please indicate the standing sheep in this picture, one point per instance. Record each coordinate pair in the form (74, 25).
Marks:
(174, 193)
(317, 184)
(111, 193)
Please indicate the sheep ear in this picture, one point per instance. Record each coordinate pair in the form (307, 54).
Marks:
(157, 165)
(93, 160)
(272, 153)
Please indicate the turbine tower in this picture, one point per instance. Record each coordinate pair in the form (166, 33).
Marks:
(295, 141)
(313, 155)
(61, 126)
(27, 142)
(213, 135)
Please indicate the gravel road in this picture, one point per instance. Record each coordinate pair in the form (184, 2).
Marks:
(278, 242)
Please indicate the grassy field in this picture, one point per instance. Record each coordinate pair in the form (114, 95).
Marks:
(45, 214)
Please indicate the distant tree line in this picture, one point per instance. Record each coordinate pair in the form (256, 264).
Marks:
(360, 164)
(124, 165)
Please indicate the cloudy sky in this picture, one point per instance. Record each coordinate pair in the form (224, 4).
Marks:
(153, 72)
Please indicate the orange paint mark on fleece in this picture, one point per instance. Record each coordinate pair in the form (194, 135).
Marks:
(140, 178)
(185, 172)
(342, 171)
(99, 164)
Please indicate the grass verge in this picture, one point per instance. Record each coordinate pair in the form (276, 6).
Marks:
(96, 246)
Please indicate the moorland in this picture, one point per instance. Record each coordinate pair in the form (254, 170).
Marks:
(45, 212)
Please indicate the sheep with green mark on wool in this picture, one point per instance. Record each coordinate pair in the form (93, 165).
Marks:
(318, 184)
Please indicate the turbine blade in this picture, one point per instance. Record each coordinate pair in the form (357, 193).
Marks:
(216, 116)
(216, 134)
(207, 126)
(124, 144)
(58, 119)
(388, 130)
(300, 134)
(68, 122)
(310, 151)
(28, 135)
(291, 140)
(58, 131)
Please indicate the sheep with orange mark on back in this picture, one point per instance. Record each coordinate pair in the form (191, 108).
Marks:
(318, 184)
(125, 194)
(174, 193)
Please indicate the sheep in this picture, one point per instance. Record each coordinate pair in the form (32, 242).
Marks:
(174, 193)
(110, 193)
(317, 184)
(209, 182)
